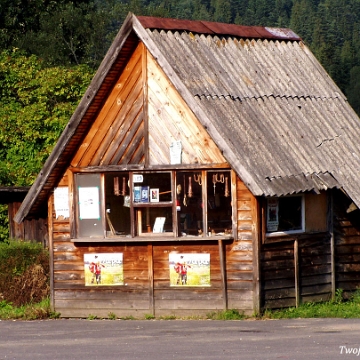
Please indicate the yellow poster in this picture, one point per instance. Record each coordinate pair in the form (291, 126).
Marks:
(104, 269)
(189, 269)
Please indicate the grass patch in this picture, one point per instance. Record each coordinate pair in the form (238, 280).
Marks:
(112, 316)
(338, 308)
(40, 310)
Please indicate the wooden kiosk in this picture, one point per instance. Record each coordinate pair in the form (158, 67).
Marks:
(188, 180)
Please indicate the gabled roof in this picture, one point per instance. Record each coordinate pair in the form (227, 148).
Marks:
(279, 119)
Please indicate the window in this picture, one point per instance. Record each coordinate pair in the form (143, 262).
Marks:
(156, 203)
(285, 215)
(194, 189)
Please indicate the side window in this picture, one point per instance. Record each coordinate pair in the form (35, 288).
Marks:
(285, 214)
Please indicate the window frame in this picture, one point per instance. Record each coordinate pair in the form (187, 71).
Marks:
(133, 235)
(286, 232)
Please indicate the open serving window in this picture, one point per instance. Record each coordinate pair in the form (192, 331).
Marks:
(154, 204)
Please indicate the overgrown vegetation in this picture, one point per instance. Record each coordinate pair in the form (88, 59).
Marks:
(24, 274)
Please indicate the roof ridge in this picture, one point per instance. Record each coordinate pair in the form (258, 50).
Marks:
(217, 28)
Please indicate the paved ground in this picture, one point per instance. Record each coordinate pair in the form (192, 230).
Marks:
(176, 339)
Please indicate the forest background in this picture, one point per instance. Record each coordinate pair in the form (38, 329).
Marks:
(50, 50)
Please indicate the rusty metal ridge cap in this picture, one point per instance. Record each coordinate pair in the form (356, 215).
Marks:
(215, 28)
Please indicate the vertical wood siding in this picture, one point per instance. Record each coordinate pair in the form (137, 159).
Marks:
(35, 229)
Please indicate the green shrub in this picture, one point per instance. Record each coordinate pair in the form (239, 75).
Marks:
(24, 272)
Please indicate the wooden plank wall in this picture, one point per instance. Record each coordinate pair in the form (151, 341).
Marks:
(315, 268)
(278, 275)
(291, 275)
(240, 269)
(117, 134)
(186, 301)
(347, 245)
(35, 229)
(146, 274)
(146, 266)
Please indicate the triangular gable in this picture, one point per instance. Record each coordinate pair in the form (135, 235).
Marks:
(123, 134)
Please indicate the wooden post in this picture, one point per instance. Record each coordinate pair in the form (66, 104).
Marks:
(51, 249)
(223, 274)
(330, 223)
(297, 277)
(256, 230)
(151, 279)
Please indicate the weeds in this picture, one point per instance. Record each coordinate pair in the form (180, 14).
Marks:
(149, 317)
(25, 266)
(91, 317)
(231, 314)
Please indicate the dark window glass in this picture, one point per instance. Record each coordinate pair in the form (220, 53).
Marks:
(284, 214)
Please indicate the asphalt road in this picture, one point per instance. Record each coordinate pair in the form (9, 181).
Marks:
(180, 339)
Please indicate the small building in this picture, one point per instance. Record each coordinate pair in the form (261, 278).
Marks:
(208, 166)
(34, 229)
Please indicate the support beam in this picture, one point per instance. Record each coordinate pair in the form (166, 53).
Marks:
(223, 274)
(297, 276)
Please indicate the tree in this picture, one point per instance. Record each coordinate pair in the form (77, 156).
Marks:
(35, 105)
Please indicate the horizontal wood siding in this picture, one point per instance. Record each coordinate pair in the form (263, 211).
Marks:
(278, 275)
(73, 299)
(314, 271)
(347, 245)
(176, 300)
(315, 268)
(239, 254)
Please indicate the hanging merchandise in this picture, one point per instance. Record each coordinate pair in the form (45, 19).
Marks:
(185, 198)
(227, 192)
(197, 179)
(217, 179)
(116, 186)
(190, 193)
(123, 191)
